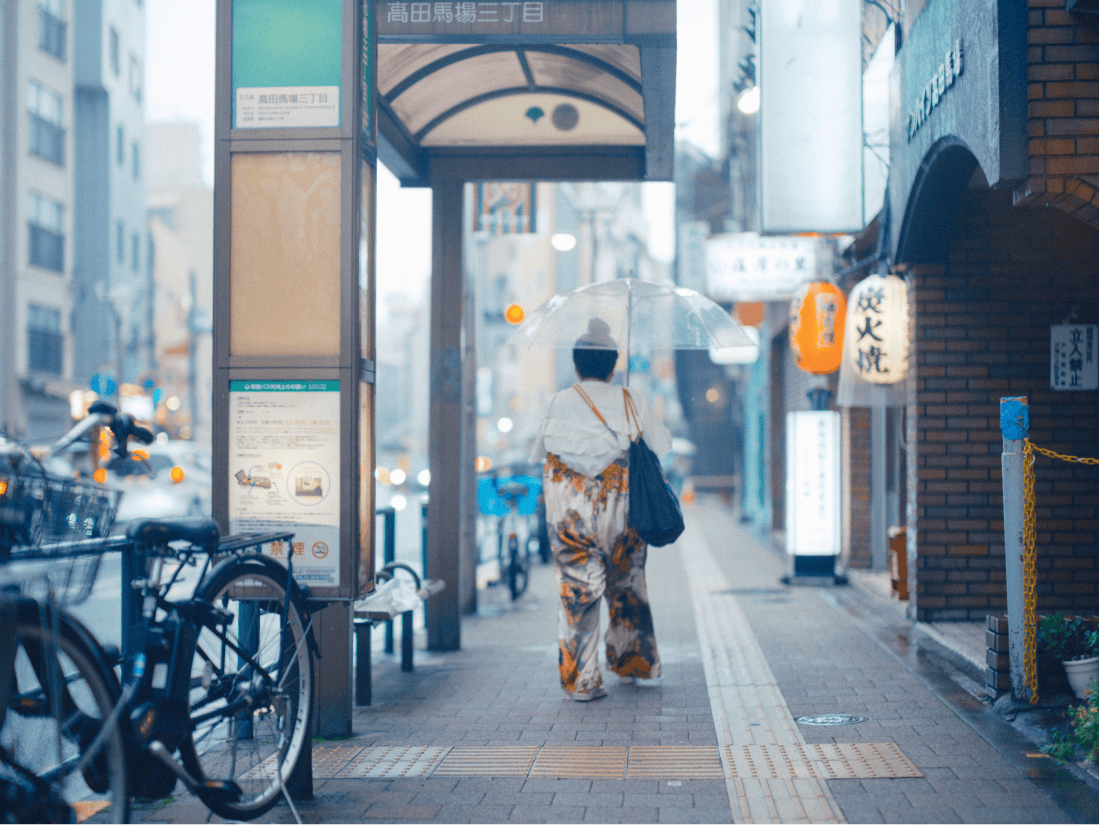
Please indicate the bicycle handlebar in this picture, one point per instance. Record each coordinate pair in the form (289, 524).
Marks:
(102, 414)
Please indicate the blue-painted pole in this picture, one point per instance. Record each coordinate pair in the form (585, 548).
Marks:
(1015, 427)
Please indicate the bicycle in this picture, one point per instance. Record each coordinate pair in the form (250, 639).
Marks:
(223, 678)
(56, 683)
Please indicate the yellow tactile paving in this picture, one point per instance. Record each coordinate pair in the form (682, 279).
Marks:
(674, 762)
(765, 781)
(505, 760)
(389, 762)
(584, 762)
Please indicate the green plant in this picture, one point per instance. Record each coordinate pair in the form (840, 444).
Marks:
(1082, 732)
(1067, 638)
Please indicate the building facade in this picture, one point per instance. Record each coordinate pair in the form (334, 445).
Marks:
(994, 227)
(57, 189)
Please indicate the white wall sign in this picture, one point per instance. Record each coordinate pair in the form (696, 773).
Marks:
(810, 81)
(749, 267)
(288, 106)
(1072, 361)
(284, 470)
(813, 483)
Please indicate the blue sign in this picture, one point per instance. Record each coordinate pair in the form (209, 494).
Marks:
(102, 384)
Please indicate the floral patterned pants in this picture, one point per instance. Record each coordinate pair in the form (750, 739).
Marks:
(596, 555)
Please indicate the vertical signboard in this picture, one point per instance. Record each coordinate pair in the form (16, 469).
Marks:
(284, 470)
(813, 483)
(810, 80)
(293, 259)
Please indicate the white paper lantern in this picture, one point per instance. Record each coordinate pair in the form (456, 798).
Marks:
(875, 344)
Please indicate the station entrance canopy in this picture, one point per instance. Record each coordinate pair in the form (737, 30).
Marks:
(529, 89)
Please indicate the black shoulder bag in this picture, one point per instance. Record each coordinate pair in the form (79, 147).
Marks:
(654, 509)
(654, 512)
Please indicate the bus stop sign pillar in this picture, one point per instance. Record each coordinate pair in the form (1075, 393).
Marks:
(294, 189)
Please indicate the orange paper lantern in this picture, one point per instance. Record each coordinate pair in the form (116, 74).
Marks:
(816, 327)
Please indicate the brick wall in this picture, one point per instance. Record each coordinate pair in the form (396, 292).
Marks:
(981, 332)
(1062, 111)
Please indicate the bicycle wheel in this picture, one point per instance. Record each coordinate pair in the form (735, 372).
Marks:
(517, 568)
(62, 690)
(251, 687)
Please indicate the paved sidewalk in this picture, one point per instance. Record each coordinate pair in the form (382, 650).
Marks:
(486, 735)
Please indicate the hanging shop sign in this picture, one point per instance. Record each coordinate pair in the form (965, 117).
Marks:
(875, 346)
(284, 470)
(504, 208)
(1072, 361)
(748, 267)
(813, 483)
(817, 316)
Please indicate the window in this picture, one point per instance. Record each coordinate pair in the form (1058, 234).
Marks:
(45, 243)
(51, 28)
(165, 214)
(120, 241)
(44, 339)
(115, 52)
(135, 243)
(135, 78)
(47, 138)
(137, 161)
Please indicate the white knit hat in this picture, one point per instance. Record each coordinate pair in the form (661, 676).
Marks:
(598, 336)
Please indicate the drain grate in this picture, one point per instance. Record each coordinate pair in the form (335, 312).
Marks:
(390, 762)
(488, 761)
(831, 719)
(672, 762)
(591, 762)
(860, 760)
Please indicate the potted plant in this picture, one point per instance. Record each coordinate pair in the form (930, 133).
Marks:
(1071, 640)
(1081, 735)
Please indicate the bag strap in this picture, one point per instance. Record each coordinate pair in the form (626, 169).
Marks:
(590, 403)
(631, 412)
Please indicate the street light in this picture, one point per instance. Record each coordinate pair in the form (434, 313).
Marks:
(563, 242)
(748, 101)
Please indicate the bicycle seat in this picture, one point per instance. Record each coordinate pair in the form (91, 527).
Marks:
(151, 532)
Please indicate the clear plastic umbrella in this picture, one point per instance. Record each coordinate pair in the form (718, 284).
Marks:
(642, 316)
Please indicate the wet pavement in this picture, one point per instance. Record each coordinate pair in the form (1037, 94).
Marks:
(485, 734)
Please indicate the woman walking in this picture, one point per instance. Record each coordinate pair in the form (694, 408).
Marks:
(584, 439)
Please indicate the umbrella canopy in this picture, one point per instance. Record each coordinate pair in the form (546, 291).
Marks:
(641, 315)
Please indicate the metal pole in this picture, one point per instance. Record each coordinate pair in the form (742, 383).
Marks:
(389, 554)
(1014, 425)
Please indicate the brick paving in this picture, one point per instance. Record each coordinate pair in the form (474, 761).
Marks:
(500, 691)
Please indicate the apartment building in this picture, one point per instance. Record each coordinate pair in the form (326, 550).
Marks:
(65, 198)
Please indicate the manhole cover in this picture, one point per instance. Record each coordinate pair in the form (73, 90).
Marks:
(830, 719)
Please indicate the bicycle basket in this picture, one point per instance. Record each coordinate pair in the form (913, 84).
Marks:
(40, 518)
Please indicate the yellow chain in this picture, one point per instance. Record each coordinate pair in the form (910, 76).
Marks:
(1030, 659)
(1030, 621)
(1071, 458)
